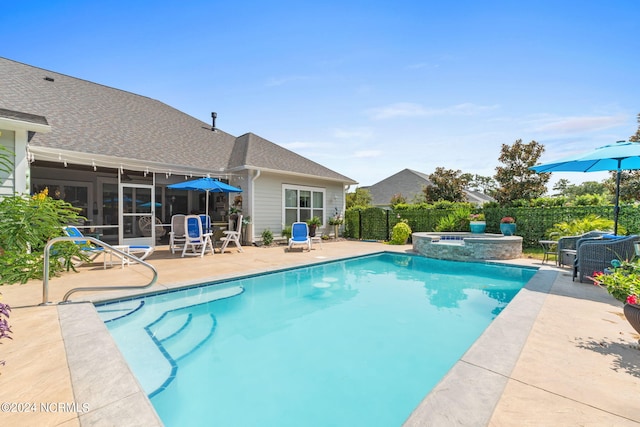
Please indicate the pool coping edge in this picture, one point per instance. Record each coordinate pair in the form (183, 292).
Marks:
(468, 394)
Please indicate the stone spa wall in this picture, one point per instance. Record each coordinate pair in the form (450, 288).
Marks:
(467, 246)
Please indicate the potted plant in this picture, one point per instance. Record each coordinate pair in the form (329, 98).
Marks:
(477, 223)
(508, 226)
(623, 283)
(336, 220)
(313, 223)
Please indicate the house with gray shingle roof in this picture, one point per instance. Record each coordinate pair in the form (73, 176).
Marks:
(410, 184)
(112, 153)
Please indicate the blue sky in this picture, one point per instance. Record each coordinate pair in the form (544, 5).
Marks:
(366, 88)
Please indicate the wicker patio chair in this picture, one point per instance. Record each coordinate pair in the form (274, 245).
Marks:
(596, 255)
(568, 243)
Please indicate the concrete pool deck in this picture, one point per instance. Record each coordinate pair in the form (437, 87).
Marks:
(560, 354)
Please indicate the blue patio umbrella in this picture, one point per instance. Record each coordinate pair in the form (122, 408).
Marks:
(617, 157)
(148, 204)
(209, 185)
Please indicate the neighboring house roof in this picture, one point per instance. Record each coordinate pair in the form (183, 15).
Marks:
(410, 184)
(103, 122)
(407, 182)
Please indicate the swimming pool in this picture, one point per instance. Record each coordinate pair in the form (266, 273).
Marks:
(356, 342)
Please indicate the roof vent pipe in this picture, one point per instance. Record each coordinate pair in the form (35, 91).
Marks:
(213, 119)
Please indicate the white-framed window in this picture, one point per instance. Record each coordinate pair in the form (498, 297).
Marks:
(301, 203)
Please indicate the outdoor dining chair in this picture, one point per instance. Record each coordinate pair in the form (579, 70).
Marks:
(195, 237)
(232, 236)
(176, 235)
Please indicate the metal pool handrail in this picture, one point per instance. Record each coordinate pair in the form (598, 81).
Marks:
(47, 255)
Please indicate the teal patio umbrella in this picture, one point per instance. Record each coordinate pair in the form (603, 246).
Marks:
(208, 185)
(622, 155)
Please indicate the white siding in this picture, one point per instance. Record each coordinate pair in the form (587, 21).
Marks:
(7, 180)
(269, 203)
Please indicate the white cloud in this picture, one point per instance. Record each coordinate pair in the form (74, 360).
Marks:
(296, 145)
(567, 125)
(408, 109)
(357, 133)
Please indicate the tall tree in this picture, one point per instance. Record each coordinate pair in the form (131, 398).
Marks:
(561, 187)
(360, 197)
(484, 184)
(515, 179)
(629, 180)
(448, 184)
(636, 137)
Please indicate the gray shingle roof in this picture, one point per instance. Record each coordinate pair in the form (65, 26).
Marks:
(24, 117)
(87, 117)
(407, 182)
(259, 153)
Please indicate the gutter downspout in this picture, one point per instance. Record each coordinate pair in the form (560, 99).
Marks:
(253, 192)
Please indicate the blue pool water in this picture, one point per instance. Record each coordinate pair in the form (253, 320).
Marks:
(356, 342)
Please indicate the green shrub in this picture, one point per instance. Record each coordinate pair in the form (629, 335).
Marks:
(286, 232)
(400, 233)
(458, 220)
(590, 200)
(26, 225)
(580, 226)
(267, 237)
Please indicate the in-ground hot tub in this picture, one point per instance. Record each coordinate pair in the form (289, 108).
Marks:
(467, 246)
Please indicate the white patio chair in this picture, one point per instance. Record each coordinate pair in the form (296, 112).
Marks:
(300, 235)
(177, 235)
(232, 236)
(195, 237)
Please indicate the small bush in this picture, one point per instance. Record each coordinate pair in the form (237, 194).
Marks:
(458, 220)
(400, 233)
(267, 237)
(286, 232)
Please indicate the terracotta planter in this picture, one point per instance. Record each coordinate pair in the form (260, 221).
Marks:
(632, 313)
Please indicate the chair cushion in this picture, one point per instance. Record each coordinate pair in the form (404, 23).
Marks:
(611, 236)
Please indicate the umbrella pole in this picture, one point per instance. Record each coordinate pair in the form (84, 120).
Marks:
(206, 206)
(616, 208)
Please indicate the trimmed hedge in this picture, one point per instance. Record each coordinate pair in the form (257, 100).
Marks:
(532, 222)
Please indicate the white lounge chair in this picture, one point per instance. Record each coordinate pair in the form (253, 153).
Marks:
(195, 237)
(93, 251)
(232, 236)
(300, 235)
(177, 234)
(86, 247)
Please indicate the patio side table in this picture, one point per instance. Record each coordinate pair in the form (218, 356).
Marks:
(549, 247)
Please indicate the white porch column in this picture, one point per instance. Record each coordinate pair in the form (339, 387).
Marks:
(22, 170)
